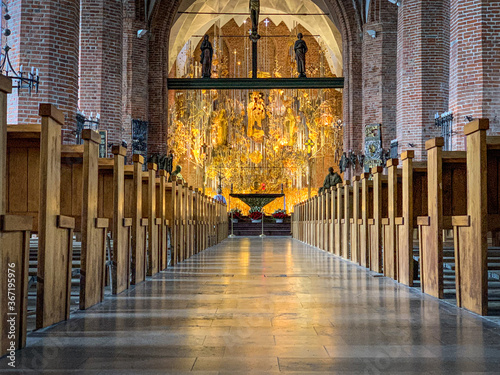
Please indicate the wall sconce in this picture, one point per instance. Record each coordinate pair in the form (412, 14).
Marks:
(372, 33)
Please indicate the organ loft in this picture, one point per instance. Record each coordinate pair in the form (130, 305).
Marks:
(249, 186)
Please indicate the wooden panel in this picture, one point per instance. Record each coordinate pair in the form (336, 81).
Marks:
(376, 260)
(339, 217)
(493, 182)
(18, 180)
(346, 235)
(389, 239)
(93, 257)
(366, 212)
(431, 244)
(34, 179)
(121, 236)
(153, 245)
(471, 246)
(139, 231)
(54, 244)
(15, 252)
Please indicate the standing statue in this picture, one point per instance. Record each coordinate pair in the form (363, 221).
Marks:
(207, 53)
(331, 179)
(254, 15)
(300, 55)
(290, 123)
(256, 114)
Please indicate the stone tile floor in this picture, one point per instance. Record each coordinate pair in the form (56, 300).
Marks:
(253, 306)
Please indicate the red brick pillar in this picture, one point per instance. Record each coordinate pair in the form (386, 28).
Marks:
(423, 71)
(45, 35)
(379, 68)
(101, 59)
(135, 68)
(474, 65)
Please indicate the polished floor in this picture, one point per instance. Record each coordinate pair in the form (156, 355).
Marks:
(253, 306)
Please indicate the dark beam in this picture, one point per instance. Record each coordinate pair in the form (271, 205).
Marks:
(254, 84)
(262, 14)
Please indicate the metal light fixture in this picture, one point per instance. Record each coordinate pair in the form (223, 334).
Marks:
(21, 79)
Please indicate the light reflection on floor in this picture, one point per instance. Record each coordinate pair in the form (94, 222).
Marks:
(264, 307)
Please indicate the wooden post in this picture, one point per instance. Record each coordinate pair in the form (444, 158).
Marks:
(161, 213)
(120, 261)
(333, 216)
(93, 229)
(55, 244)
(338, 220)
(366, 215)
(431, 228)
(326, 225)
(376, 222)
(174, 225)
(346, 220)
(389, 239)
(190, 231)
(153, 245)
(406, 224)
(355, 221)
(14, 246)
(471, 242)
(138, 259)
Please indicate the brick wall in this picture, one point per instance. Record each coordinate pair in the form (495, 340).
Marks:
(101, 57)
(135, 68)
(379, 69)
(474, 64)
(46, 36)
(423, 71)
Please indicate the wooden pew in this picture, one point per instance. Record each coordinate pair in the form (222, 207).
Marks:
(163, 212)
(14, 249)
(154, 222)
(394, 207)
(333, 216)
(134, 190)
(346, 219)
(354, 221)
(174, 224)
(447, 197)
(338, 219)
(482, 216)
(34, 162)
(326, 219)
(93, 228)
(79, 190)
(366, 216)
(122, 226)
(414, 204)
(199, 221)
(375, 224)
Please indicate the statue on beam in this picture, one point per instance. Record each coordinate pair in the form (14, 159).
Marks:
(207, 53)
(254, 15)
(300, 55)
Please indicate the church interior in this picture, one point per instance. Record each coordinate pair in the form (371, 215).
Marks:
(250, 187)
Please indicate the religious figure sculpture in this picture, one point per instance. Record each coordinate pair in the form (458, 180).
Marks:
(222, 124)
(256, 113)
(331, 179)
(254, 15)
(300, 55)
(207, 53)
(290, 123)
(176, 174)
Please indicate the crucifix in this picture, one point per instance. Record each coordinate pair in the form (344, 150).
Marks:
(254, 36)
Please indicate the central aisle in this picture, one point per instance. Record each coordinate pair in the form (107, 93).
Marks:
(267, 306)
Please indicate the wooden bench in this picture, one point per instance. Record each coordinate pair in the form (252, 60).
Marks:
(34, 181)
(414, 204)
(482, 216)
(355, 220)
(379, 203)
(447, 197)
(14, 246)
(111, 205)
(394, 209)
(366, 215)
